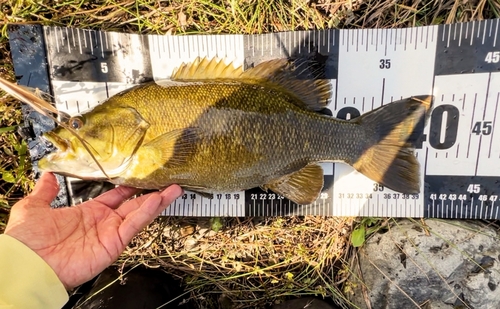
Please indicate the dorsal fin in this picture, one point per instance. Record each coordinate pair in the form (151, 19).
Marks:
(203, 69)
(280, 74)
(294, 78)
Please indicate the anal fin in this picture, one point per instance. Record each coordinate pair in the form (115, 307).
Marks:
(302, 187)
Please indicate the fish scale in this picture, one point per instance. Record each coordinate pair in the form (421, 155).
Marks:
(226, 119)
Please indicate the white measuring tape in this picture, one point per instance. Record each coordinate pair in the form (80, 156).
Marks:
(459, 63)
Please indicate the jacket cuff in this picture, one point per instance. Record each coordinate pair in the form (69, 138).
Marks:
(26, 280)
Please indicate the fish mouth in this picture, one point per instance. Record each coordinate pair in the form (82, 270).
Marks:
(51, 161)
(66, 160)
(58, 142)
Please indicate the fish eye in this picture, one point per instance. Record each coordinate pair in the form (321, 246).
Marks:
(76, 122)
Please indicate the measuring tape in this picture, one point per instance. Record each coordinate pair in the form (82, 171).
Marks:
(459, 153)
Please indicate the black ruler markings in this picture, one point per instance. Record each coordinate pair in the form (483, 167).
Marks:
(460, 52)
(494, 125)
(98, 42)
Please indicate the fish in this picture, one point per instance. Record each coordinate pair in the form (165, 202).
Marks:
(214, 127)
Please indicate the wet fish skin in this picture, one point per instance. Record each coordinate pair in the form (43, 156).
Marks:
(212, 128)
(235, 144)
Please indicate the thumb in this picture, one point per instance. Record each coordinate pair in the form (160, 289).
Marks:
(45, 191)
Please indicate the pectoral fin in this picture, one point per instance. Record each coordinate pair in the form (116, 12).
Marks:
(174, 147)
(301, 187)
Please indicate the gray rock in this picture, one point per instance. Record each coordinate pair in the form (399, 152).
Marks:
(454, 264)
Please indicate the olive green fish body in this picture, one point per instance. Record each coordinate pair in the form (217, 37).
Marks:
(213, 128)
(241, 136)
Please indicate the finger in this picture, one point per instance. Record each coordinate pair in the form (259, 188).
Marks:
(134, 204)
(115, 197)
(154, 204)
(45, 191)
(171, 193)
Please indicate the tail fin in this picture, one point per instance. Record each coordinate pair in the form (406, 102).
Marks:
(395, 129)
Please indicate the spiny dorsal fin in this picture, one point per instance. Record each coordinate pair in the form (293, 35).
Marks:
(203, 69)
(302, 187)
(281, 74)
(288, 76)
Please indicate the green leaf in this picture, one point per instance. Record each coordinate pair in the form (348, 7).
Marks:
(7, 129)
(8, 177)
(370, 221)
(216, 224)
(22, 148)
(358, 236)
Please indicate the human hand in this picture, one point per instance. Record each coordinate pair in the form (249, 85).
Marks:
(79, 242)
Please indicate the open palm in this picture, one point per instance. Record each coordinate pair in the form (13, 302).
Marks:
(79, 242)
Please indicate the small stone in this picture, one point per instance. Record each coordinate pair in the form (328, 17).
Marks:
(187, 229)
(202, 231)
(210, 234)
(190, 243)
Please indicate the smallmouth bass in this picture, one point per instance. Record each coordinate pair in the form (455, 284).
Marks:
(213, 127)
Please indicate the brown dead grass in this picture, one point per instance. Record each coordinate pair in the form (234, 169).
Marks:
(250, 262)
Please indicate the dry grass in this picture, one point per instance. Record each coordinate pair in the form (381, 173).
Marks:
(248, 263)
(15, 165)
